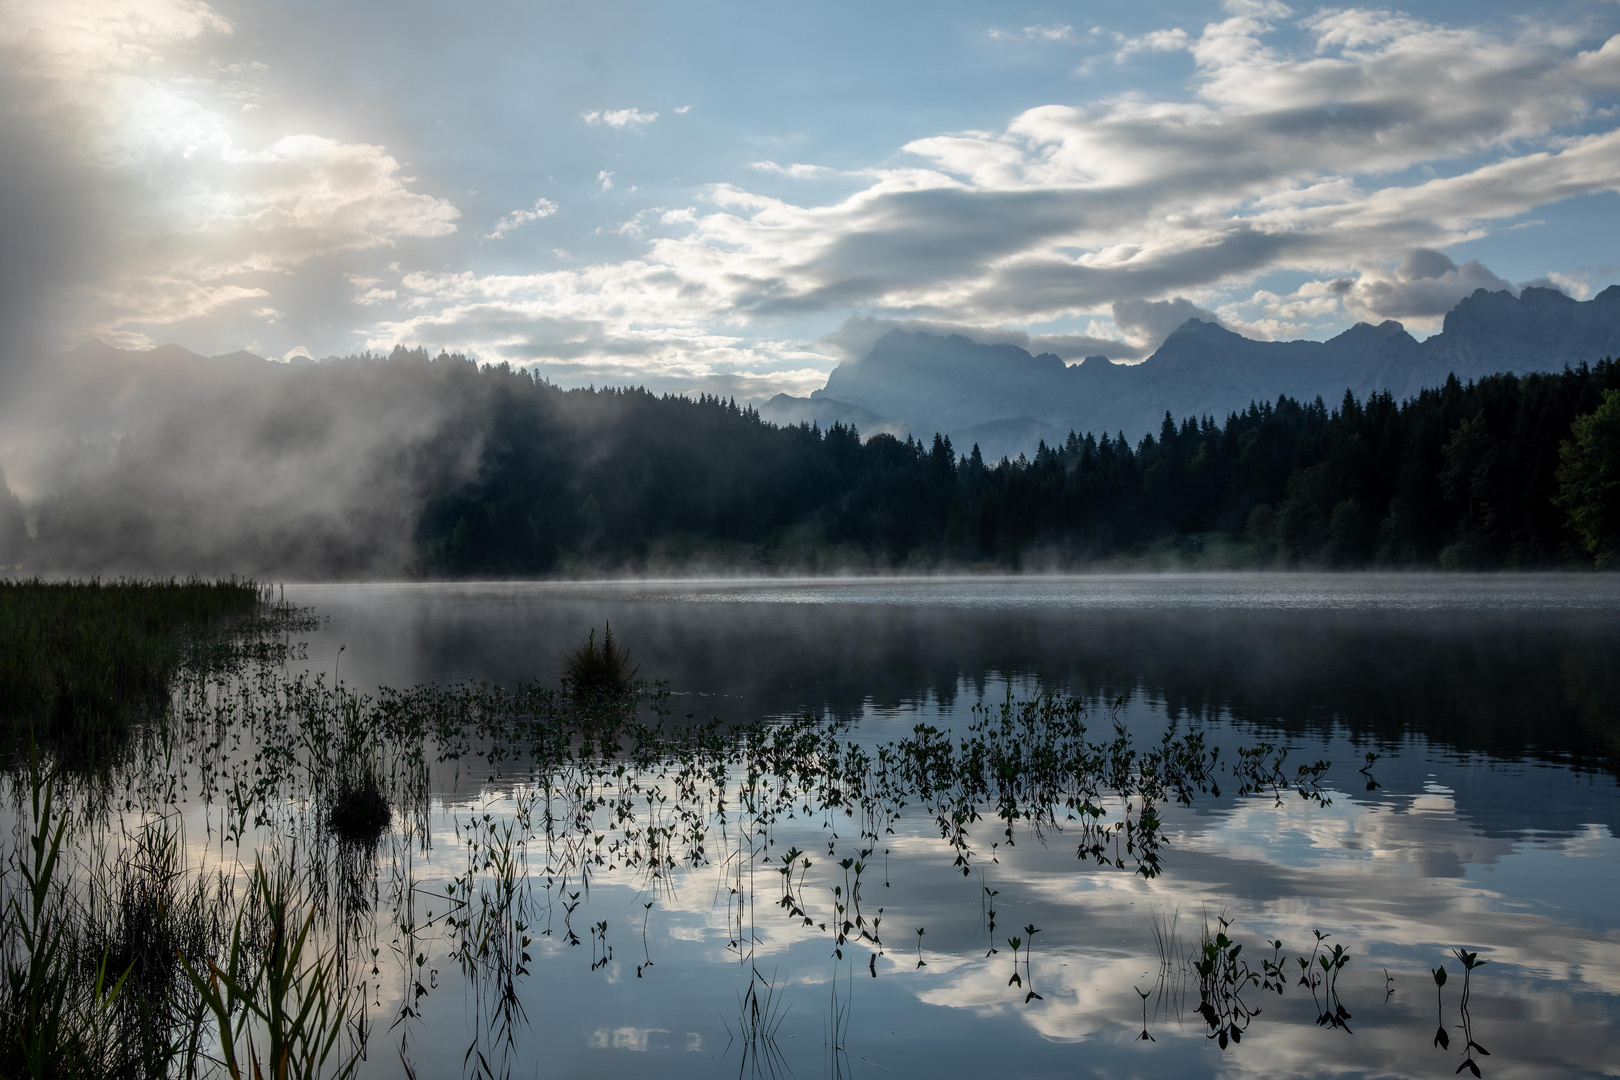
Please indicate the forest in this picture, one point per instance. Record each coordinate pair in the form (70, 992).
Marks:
(437, 467)
(1462, 477)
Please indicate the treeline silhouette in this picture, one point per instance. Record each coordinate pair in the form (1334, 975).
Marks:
(436, 467)
(1459, 477)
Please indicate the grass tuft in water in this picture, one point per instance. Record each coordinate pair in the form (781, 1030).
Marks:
(593, 669)
(359, 808)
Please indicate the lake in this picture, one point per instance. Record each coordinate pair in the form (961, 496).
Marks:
(1486, 823)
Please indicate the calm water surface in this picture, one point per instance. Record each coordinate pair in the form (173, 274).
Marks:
(1493, 702)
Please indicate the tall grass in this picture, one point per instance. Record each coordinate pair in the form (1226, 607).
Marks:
(279, 1011)
(54, 1022)
(92, 991)
(81, 661)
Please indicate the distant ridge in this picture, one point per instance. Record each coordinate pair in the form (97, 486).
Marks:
(1006, 399)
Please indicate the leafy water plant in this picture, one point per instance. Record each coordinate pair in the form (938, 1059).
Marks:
(1029, 974)
(358, 807)
(279, 1013)
(1332, 1012)
(156, 914)
(1442, 1039)
(1223, 975)
(571, 787)
(1470, 961)
(1366, 771)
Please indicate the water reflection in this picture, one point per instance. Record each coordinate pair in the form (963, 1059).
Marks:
(933, 887)
(1508, 667)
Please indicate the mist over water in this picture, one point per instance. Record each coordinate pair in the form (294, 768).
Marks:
(1509, 665)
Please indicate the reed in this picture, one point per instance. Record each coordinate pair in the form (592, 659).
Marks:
(54, 1022)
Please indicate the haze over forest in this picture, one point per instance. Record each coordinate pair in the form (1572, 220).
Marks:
(1100, 247)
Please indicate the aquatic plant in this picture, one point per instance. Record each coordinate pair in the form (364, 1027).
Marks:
(294, 769)
(603, 669)
(761, 1008)
(157, 913)
(1470, 961)
(53, 1020)
(358, 808)
(1222, 977)
(279, 1014)
(1441, 1038)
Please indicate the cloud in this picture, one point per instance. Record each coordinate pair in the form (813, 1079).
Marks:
(857, 334)
(54, 217)
(798, 171)
(1149, 322)
(1050, 32)
(1174, 40)
(1327, 151)
(518, 218)
(855, 337)
(637, 225)
(621, 118)
(1333, 160)
(1573, 285)
(1277, 164)
(1425, 286)
(626, 323)
(208, 216)
(682, 110)
(1257, 9)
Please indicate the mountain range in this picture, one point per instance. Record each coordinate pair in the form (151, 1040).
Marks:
(999, 397)
(1005, 400)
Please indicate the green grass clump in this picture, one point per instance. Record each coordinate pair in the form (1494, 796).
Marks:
(80, 661)
(593, 669)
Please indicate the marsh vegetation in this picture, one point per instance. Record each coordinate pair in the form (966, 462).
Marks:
(82, 662)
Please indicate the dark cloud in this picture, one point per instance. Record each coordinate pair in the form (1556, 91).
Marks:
(1043, 285)
(855, 338)
(858, 333)
(1080, 346)
(1426, 285)
(1153, 320)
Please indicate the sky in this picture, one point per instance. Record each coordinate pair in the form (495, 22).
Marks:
(733, 198)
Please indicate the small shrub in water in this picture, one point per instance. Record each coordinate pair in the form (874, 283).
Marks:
(598, 669)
